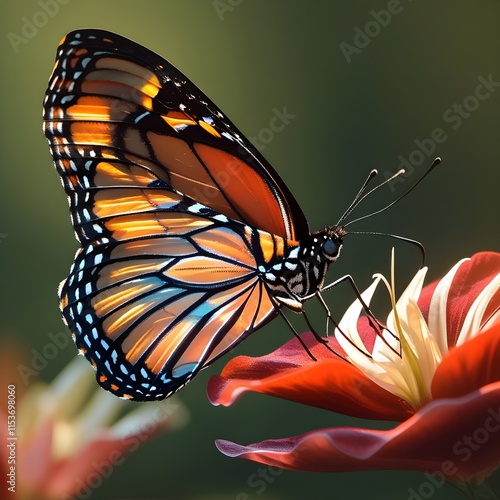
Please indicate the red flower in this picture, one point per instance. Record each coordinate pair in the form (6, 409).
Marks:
(436, 370)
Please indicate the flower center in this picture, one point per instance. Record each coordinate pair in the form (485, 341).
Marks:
(405, 355)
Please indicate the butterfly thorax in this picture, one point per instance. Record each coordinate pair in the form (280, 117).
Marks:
(302, 270)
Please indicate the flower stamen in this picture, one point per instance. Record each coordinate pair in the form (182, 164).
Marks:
(405, 357)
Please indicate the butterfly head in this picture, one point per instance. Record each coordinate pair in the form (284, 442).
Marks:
(327, 243)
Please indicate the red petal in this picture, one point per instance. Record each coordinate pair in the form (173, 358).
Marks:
(289, 373)
(433, 440)
(84, 471)
(424, 301)
(471, 278)
(35, 461)
(473, 364)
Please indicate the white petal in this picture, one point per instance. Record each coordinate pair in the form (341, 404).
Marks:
(149, 416)
(72, 386)
(349, 323)
(100, 411)
(412, 292)
(414, 288)
(424, 346)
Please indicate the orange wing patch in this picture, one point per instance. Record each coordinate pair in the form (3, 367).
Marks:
(166, 247)
(228, 304)
(226, 243)
(116, 272)
(206, 126)
(188, 175)
(244, 190)
(152, 328)
(106, 301)
(258, 307)
(91, 108)
(125, 317)
(122, 201)
(128, 227)
(123, 79)
(178, 120)
(113, 174)
(97, 134)
(206, 270)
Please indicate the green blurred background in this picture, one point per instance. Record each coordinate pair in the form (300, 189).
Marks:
(251, 57)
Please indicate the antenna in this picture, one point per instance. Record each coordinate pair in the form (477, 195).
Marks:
(358, 198)
(362, 195)
(397, 237)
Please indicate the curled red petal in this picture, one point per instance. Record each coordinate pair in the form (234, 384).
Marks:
(472, 276)
(433, 440)
(469, 281)
(475, 364)
(289, 373)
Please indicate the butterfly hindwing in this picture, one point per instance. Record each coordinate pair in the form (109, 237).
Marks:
(149, 312)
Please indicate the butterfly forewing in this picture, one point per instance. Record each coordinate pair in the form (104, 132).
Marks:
(112, 99)
(175, 211)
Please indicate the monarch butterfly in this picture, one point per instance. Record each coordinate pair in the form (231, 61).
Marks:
(190, 241)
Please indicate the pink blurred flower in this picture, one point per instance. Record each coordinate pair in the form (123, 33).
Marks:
(436, 370)
(69, 435)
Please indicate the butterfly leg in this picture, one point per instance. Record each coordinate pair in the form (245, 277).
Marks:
(318, 337)
(287, 321)
(329, 316)
(337, 327)
(374, 322)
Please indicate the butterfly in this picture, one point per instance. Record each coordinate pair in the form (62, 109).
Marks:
(190, 241)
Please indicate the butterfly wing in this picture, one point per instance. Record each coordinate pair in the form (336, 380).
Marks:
(171, 293)
(115, 97)
(168, 200)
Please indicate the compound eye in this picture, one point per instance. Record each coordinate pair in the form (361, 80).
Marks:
(331, 248)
